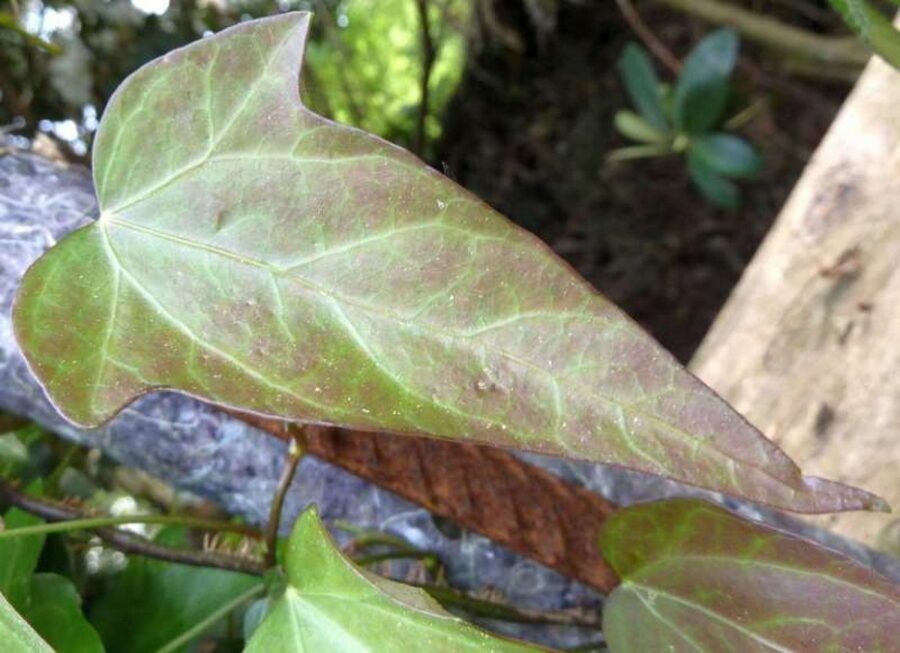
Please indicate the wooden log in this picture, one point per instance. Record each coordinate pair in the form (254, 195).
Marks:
(808, 344)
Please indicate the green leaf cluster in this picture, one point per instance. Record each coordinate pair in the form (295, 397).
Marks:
(688, 119)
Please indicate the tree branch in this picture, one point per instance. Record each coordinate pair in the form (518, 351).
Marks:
(428, 57)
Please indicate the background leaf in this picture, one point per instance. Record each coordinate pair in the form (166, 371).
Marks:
(329, 604)
(261, 257)
(15, 633)
(715, 187)
(697, 578)
(636, 128)
(703, 87)
(643, 85)
(727, 155)
(19, 555)
(872, 26)
(53, 609)
(151, 602)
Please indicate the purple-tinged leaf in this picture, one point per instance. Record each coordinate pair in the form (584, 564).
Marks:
(258, 256)
(696, 578)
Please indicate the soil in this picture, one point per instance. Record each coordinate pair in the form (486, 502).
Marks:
(529, 131)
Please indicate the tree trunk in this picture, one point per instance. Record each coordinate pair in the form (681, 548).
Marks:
(808, 345)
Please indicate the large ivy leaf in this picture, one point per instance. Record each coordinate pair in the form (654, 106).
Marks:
(15, 633)
(329, 604)
(151, 602)
(256, 255)
(696, 578)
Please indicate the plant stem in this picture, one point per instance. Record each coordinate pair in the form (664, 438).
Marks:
(204, 624)
(842, 51)
(657, 47)
(296, 449)
(428, 56)
(93, 523)
(450, 597)
(123, 540)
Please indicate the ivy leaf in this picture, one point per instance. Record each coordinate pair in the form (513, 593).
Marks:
(151, 603)
(330, 604)
(260, 257)
(697, 578)
(53, 608)
(15, 633)
(643, 85)
(701, 93)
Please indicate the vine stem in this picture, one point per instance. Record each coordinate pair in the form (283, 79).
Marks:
(296, 449)
(204, 624)
(123, 540)
(93, 523)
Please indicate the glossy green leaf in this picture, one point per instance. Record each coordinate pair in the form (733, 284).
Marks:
(698, 579)
(53, 609)
(716, 188)
(636, 128)
(16, 635)
(727, 155)
(701, 94)
(329, 604)
(643, 85)
(151, 602)
(258, 256)
(874, 28)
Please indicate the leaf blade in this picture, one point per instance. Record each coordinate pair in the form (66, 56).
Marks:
(17, 634)
(696, 575)
(330, 604)
(313, 272)
(643, 85)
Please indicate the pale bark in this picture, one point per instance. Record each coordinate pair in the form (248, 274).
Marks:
(808, 345)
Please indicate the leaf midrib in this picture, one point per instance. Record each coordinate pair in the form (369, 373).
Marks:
(275, 271)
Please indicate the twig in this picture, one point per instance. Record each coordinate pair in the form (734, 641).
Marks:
(296, 449)
(428, 57)
(125, 541)
(774, 34)
(657, 47)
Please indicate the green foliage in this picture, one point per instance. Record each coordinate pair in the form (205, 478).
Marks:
(152, 603)
(48, 602)
(53, 609)
(872, 26)
(330, 604)
(15, 633)
(368, 72)
(698, 578)
(687, 119)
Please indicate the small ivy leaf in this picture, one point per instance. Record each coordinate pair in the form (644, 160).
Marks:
(330, 604)
(643, 85)
(696, 578)
(15, 633)
(726, 154)
(715, 187)
(256, 255)
(53, 609)
(636, 128)
(702, 91)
